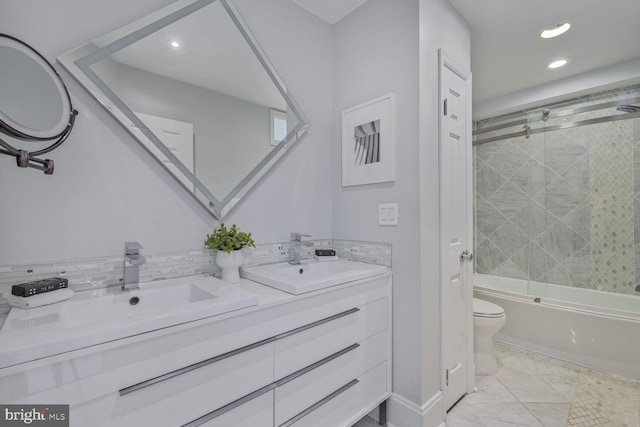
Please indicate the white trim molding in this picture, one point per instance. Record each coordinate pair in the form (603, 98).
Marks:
(404, 413)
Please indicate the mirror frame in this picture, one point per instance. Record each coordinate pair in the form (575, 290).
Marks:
(17, 130)
(78, 63)
(56, 135)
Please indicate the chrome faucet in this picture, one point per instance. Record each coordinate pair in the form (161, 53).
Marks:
(132, 262)
(296, 246)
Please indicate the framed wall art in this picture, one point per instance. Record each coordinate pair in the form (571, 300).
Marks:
(368, 142)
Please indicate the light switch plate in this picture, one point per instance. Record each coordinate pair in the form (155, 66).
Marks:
(388, 214)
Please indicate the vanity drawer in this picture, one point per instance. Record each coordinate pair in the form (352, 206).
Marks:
(302, 389)
(257, 412)
(337, 409)
(180, 396)
(297, 350)
(88, 374)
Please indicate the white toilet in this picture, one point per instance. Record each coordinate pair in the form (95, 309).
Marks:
(488, 318)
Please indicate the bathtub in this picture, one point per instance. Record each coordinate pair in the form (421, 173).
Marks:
(591, 328)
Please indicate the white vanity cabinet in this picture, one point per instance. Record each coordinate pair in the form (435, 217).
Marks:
(322, 359)
(256, 412)
(181, 396)
(328, 356)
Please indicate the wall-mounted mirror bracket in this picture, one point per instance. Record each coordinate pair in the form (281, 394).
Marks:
(26, 159)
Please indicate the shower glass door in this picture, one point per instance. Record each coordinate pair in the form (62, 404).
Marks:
(557, 201)
(560, 213)
(583, 221)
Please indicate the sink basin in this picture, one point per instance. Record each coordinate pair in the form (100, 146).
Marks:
(94, 317)
(311, 276)
(152, 302)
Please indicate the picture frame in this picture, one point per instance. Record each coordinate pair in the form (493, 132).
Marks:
(368, 142)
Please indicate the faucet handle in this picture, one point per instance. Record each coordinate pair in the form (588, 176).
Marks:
(297, 237)
(132, 248)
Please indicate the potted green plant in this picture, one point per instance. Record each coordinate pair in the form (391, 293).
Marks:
(229, 242)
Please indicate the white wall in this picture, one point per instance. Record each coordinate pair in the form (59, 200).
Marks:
(393, 47)
(375, 53)
(106, 190)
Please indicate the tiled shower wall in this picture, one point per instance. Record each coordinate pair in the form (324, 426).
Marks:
(562, 206)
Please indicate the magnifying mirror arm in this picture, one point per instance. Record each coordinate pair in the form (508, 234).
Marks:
(26, 159)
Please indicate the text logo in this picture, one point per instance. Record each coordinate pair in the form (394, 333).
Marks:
(34, 415)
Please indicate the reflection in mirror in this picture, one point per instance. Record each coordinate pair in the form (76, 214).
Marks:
(34, 105)
(193, 86)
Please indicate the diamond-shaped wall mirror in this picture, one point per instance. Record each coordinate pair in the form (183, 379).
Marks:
(191, 83)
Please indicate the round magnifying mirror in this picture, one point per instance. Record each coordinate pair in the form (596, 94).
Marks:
(34, 103)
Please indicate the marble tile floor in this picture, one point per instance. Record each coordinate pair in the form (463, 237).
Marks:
(531, 389)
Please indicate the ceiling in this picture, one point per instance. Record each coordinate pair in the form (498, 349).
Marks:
(212, 54)
(508, 56)
(331, 11)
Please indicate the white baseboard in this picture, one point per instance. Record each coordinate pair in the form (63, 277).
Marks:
(404, 413)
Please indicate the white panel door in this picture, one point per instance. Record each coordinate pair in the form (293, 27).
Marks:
(177, 136)
(455, 223)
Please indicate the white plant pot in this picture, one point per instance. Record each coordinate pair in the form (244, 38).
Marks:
(230, 264)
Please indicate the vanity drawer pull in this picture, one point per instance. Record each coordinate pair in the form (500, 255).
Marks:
(229, 407)
(190, 368)
(317, 323)
(315, 406)
(319, 363)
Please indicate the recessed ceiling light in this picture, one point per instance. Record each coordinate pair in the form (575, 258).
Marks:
(557, 63)
(555, 30)
(175, 44)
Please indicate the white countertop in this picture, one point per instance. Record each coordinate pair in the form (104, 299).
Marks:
(18, 348)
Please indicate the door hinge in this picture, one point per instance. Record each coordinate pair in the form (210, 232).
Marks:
(447, 377)
(445, 106)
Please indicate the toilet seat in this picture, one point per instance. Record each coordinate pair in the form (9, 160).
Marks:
(482, 308)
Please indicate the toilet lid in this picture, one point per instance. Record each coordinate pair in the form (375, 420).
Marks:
(482, 308)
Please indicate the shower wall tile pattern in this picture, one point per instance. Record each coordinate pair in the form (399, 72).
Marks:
(561, 206)
(533, 212)
(612, 204)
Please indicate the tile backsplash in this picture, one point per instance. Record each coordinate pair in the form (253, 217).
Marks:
(94, 273)
(271, 253)
(369, 252)
(352, 250)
